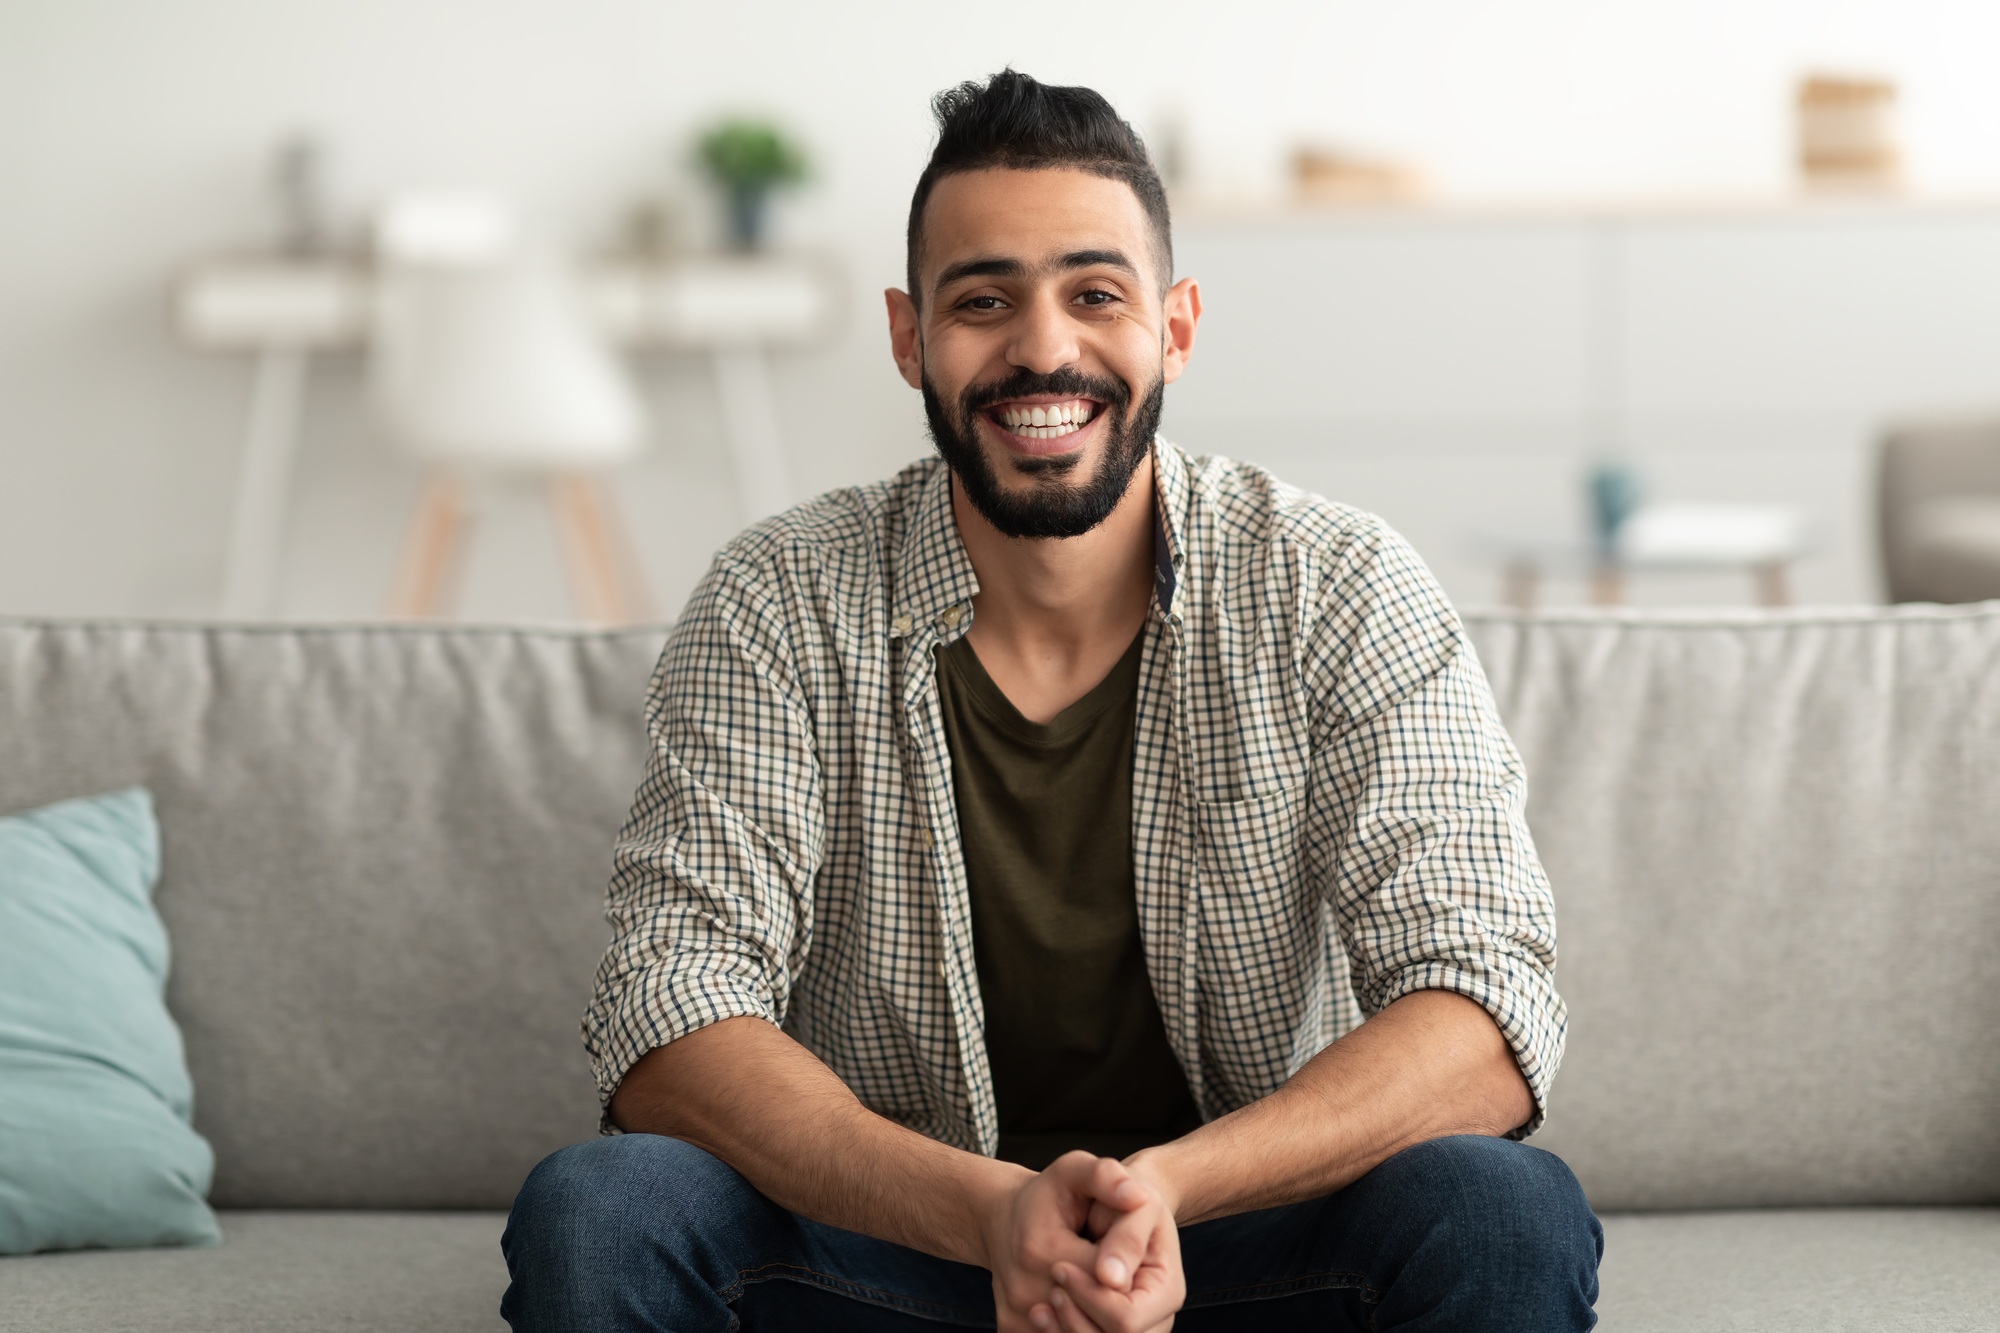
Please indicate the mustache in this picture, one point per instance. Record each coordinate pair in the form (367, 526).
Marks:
(1023, 383)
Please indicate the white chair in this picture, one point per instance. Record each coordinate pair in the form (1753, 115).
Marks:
(483, 363)
(1939, 510)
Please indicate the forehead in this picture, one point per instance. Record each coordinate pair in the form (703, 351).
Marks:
(1001, 213)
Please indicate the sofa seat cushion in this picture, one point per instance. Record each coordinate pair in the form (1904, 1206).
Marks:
(275, 1272)
(1813, 1270)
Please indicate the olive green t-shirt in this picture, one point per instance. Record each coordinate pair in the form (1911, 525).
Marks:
(1078, 1050)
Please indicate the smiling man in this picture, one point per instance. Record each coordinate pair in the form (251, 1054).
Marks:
(1077, 885)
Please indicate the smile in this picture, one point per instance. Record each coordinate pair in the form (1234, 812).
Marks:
(1044, 421)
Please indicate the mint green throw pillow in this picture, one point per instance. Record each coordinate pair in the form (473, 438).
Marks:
(96, 1144)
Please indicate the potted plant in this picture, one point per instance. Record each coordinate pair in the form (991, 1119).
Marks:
(747, 158)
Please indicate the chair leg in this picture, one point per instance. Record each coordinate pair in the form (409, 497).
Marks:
(625, 554)
(603, 577)
(430, 552)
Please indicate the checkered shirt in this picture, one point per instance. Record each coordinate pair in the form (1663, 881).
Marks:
(1326, 812)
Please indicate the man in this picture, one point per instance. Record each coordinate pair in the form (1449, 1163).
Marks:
(1026, 839)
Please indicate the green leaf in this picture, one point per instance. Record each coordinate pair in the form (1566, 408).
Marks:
(751, 152)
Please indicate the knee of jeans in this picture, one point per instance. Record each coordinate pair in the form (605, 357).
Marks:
(588, 1193)
(1498, 1192)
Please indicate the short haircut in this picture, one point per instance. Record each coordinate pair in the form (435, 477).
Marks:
(1015, 122)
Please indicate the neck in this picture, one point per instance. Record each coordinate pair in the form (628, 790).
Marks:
(1062, 597)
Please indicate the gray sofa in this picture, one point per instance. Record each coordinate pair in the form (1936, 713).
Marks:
(1774, 838)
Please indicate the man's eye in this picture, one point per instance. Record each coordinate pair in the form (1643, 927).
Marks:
(982, 303)
(1095, 297)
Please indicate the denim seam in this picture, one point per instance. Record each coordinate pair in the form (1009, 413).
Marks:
(891, 1300)
(1265, 1291)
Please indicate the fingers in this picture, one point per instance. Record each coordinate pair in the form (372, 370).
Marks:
(1010, 1321)
(1103, 1179)
(1133, 1215)
(1150, 1304)
(1069, 1316)
(1076, 1175)
(1113, 1185)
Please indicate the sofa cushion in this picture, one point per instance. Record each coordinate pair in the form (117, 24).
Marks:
(1775, 851)
(95, 1145)
(385, 853)
(1869, 1270)
(276, 1273)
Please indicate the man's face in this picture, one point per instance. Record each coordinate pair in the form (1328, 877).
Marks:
(1044, 345)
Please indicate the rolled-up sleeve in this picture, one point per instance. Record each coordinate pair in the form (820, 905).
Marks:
(710, 900)
(1419, 807)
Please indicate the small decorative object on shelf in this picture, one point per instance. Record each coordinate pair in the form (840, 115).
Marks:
(1847, 133)
(299, 185)
(748, 158)
(1615, 492)
(1333, 176)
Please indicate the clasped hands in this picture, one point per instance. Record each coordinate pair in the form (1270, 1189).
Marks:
(1087, 1246)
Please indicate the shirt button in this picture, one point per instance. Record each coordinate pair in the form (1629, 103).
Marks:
(950, 617)
(924, 836)
(903, 624)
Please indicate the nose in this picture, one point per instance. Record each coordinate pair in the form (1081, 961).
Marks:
(1044, 338)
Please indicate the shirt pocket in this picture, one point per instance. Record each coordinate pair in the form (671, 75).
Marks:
(1253, 848)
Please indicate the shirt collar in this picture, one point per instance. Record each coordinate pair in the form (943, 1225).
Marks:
(1171, 487)
(935, 580)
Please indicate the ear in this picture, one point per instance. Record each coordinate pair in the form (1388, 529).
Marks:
(906, 342)
(1182, 309)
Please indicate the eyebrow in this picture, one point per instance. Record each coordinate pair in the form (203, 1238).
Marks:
(995, 267)
(978, 268)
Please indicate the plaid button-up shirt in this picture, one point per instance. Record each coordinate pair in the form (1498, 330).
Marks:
(1326, 813)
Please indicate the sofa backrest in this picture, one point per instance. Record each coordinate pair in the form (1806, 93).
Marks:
(384, 855)
(1775, 846)
(1774, 841)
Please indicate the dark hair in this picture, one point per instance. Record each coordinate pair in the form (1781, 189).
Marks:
(1015, 122)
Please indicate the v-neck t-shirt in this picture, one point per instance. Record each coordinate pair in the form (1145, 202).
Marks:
(1074, 1036)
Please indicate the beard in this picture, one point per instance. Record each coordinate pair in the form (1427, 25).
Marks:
(1054, 506)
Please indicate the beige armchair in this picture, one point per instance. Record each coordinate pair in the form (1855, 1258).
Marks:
(1939, 501)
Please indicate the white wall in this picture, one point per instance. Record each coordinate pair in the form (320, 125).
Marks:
(133, 138)
(1458, 371)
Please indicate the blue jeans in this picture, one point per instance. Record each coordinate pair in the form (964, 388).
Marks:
(644, 1232)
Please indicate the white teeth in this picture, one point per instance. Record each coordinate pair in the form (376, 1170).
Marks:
(1046, 420)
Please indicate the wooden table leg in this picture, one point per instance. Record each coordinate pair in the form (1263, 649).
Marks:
(1607, 586)
(1774, 586)
(263, 487)
(1519, 584)
(750, 420)
(430, 551)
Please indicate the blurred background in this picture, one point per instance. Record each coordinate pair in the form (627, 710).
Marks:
(516, 311)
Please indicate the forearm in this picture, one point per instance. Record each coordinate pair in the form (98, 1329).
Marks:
(1429, 1065)
(747, 1093)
